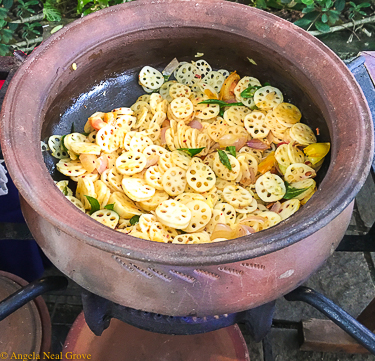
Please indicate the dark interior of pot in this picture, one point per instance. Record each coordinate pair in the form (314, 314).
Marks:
(107, 76)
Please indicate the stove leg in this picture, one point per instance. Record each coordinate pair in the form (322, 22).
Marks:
(346, 322)
(97, 312)
(258, 320)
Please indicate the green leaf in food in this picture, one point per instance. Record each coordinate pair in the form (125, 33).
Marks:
(250, 91)
(95, 206)
(231, 149)
(65, 191)
(220, 102)
(72, 128)
(224, 159)
(134, 220)
(63, 145)
(293, 192)
(192, 151)
(166, 77)
(110, 206)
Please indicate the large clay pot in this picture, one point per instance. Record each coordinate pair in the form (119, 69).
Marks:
(109, 48)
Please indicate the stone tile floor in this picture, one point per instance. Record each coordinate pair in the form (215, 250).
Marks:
(347, 278)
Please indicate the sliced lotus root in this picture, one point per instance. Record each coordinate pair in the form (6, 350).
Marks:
(273, 124)
(151, 78)
(70, 167)
(165, 162)
(178, 68)
(237, 196)
(249, 160)
(270, 187)
(192, 238)
(216, 131)
(135, 233)
(282, 155)
(287, 114)
(228, 212)
(125, 110)
(85, 187)
(237, 131)
(164, 90)
(223, 172)
(215, 80)
(153, 177)
(85, 148)
(131, 162)
(248, 209)
(268, 97)
(144, 118)
(272, 219)
(139, 106)
(153, 133)
(187, 73)
(169, 140)
(254, 124)
(102, 193)
(288, 208)
(91, 138)
(298, 171)
(207, 111)
(178, 90)
(258, 154)
(72, 138)
(180, 159)
(236, 115)
(123, 205)
(63, 186)
(187, 197)
(90, 176)
(55, 145)
(161, 233)
(203, 67)
(139, 142)
(105, 139)
(125, 122)
(181, 107)
(200, 215)
(154, 150)
(128, 138)
(145, 222)
(243, 84)
(152, 203)
(155, 99)
(200, 177)
(173, 214)
(106, 217)
(217, 217)
(302, 134)
(123, 223)
(114, 178)
(174, 181)
(308, 184)
(222, 183)
(157, 119)
(224, 72)
(209, 159)
(137, 189)
(295, 155)
(76, 202)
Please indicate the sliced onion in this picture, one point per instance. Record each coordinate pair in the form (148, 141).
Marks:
(232, 140)
(257, 144)
(171, 67)
(196, 124)
(276, 207)
(102, 164)
(222, 231)
(242, 230)
(88, 161)
(152, 160)
(253, 219)
(246, 177)
(162, 136)
(166, 123)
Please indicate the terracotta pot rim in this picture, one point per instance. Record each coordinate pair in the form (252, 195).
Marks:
(306, 222)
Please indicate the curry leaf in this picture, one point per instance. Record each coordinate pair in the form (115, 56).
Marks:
(231, 149)
(65, 191)
(110, 206)
(62, 144)
(293, 192)
(249, 92)
(134, 220)
(220, 102)
(192, 151)
(224, 159)
(95, 206)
